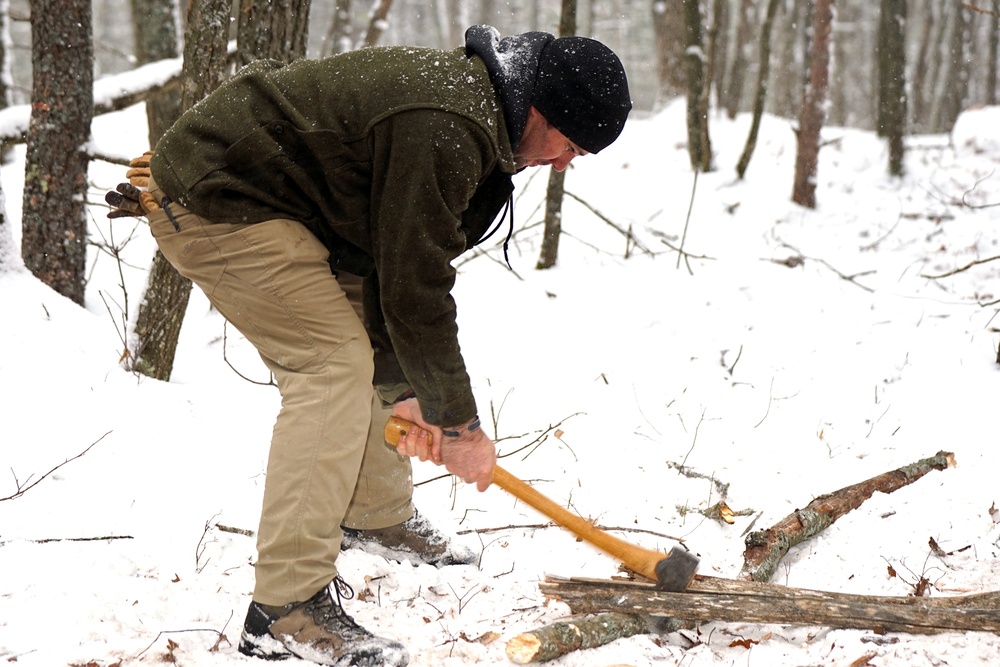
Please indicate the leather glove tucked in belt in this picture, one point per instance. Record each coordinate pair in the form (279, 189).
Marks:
(129, 199)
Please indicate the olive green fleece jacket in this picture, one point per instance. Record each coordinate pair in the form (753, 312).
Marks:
(397, 158)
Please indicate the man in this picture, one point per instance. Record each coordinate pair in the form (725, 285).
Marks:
(383, 165)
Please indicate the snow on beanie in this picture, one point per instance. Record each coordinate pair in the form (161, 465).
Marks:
(583, 91)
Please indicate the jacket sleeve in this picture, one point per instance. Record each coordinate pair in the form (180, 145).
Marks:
(426, 167)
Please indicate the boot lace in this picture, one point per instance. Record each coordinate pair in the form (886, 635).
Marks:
(327, 609)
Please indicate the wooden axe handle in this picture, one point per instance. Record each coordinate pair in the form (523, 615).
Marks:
(635, 558)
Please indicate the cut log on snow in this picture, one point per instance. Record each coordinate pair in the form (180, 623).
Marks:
(766, 548)
(726, 600)
(558, 639)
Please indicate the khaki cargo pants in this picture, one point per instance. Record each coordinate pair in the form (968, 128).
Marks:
(329, 465)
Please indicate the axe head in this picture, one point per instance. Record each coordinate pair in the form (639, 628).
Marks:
(676, 570)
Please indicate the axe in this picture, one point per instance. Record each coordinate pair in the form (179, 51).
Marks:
(671, 572)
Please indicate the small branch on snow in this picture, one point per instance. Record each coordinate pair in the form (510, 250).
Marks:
(961, 269)
(849, 278)
(627, 233)
(24, 487)
(238, 531)
(100, 538)
(539, 526)
(171, 645)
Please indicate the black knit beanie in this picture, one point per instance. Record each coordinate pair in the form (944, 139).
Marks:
(582, 90)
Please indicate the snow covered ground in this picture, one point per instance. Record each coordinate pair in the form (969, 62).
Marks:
(784, 379)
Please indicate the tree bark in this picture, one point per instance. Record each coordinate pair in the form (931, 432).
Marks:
(735, 81)
(156, 39)
(558, 639)
(993, 42)
(6, 57)
(699, 145)
(275, 29)
(760, 97)
(956, 89)
(377, 22)
(668, 31)
(165, 299)
(766, 548)
(891, 58)
(340, 37)
(54, 217)
(718, 48)
(813, 111)
(714, 599)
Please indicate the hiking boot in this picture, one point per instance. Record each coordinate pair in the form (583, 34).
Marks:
(318, 630)
(415, 540)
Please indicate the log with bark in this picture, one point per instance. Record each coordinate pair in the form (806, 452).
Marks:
(750, 599)
(765, 548)
(727, 600)
(558, 639)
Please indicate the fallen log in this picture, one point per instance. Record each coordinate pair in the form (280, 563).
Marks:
(727, 600)
(561, 638)
(766, 548)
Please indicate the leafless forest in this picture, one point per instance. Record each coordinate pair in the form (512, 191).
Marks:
(894, 66)
(951, 47)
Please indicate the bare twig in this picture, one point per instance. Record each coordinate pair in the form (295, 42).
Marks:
(849, 278)
(977, 8)
(225, 339)
(961, 269)
(687, 220)
(539, 526)
(98, 538)
(627, 233)
(24, 487)
(220, 633)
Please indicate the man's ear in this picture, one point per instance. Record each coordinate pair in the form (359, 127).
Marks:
(535, 117)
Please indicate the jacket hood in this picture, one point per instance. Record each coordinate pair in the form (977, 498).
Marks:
(512, 63)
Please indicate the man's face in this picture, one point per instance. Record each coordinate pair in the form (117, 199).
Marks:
(542, 144)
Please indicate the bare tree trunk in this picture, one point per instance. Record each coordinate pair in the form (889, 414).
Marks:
(699, 145)
(553, 220)
(991, 66)
(54, 218)
(741, 59)
(719, 48)
(340, 37)
(165, 299)
(377, 22)
(760, 97)
(156, 39)
(791, 62)
(272, 29)
(6, 79)
(891, 59)
(955, 91)
(813, 113)
(557, 179)
(938, 75)
(920, 72)
(668, 31)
